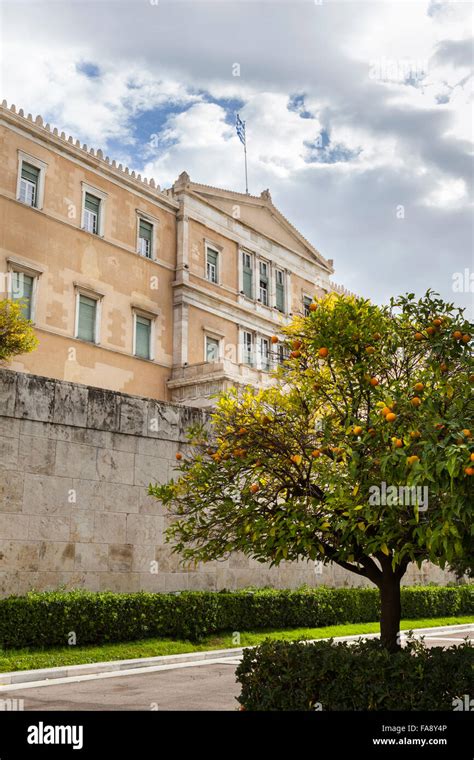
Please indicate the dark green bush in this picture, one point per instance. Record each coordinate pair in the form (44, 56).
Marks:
(325, 675)
(47, 618)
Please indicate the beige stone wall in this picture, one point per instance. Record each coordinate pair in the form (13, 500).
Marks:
(75, 462)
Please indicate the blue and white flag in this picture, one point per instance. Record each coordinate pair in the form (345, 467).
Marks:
(240, 129)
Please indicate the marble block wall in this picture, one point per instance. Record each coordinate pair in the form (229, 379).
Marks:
(75, 463)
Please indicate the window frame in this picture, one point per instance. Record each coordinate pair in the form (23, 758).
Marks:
(215, 250)
(151, 348)
(42, 166)
(102, 197)
(93, 296)
(15, 266)
(143, 217)
(216, 339)
(305, 297)
(266, 279)
(260, 340)
(251, 269)
(244, 354)
(280, 271)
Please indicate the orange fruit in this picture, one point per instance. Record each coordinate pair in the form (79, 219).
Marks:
(466, 338)
(274, 339)
(370, 350)
(437, 322)
(296, 458)
(431, 330)
(467, 433)
(313, 306)
(397, 442)
(372, 431)
(390, 417)
(242, 431)
(386, 410)
(469, 470)
(295, 354)
(296, 344)
(415, 401)
(457, 335)
(415, 434)
(443, 367)
(178, 456)
(316, 453)
(411, 460)
(418, 336)
(254, 488)
(323, 352)
(472, 457)
(376, 336)
(418, 387)
(471, 378)
(357, 430)
(374, 381)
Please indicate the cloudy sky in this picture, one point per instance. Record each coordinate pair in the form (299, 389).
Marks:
(358, 114)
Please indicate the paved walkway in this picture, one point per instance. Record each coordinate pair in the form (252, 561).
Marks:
(207, 684)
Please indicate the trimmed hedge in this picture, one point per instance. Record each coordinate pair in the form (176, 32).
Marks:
(325, 675)
(44, 619)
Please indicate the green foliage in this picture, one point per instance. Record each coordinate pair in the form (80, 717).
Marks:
(330, 676)
(16, 333)
(288, 472)
(46, 619)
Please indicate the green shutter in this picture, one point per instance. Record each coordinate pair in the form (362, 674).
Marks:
(142, 337)
(279, 294)
(211, 257)
(247, 279)
(87, 318)
(92, 203)
(22, 290)
(146, 230)
(29, 172)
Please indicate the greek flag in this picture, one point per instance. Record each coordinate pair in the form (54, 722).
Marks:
(240, 129)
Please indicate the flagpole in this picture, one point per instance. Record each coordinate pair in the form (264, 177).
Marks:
(245, 154)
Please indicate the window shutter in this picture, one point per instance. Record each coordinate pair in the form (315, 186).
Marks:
(22, 291)
(247, 277)
(280, 292)
(29, 172)
(142, 337)
(92, 203)
(87, 318)
(212, 256)
(146, 230)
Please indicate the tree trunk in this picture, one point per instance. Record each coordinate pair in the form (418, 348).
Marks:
(390, 611)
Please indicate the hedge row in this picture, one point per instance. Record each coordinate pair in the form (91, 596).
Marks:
(326, 676)
(48, 618)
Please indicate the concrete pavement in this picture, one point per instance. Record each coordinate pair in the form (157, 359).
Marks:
(205, 682)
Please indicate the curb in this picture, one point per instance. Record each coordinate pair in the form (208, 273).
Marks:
(164, 662)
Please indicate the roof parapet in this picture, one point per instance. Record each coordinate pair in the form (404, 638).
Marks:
(38, 121)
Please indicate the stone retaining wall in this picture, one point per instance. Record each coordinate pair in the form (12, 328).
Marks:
(75, 463)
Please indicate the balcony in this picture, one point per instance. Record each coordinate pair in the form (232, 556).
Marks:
(196, 384)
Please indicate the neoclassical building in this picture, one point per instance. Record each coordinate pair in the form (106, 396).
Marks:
(169, 294)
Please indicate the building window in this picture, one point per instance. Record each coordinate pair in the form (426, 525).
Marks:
(212, 349)
(280, 290)
(211, 264)
(264, 351)
(247, 274)
(307, 301)
(91, 213)
(30, 183)
(247, 348)
(22, 288)
(263, 290)
(145, 238)
(87, 321)
(281, 353)
(143, 332)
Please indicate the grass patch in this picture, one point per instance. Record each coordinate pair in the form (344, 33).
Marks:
(27, 659)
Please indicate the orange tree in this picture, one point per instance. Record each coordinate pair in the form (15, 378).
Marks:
(360, 454)
(16, 333)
